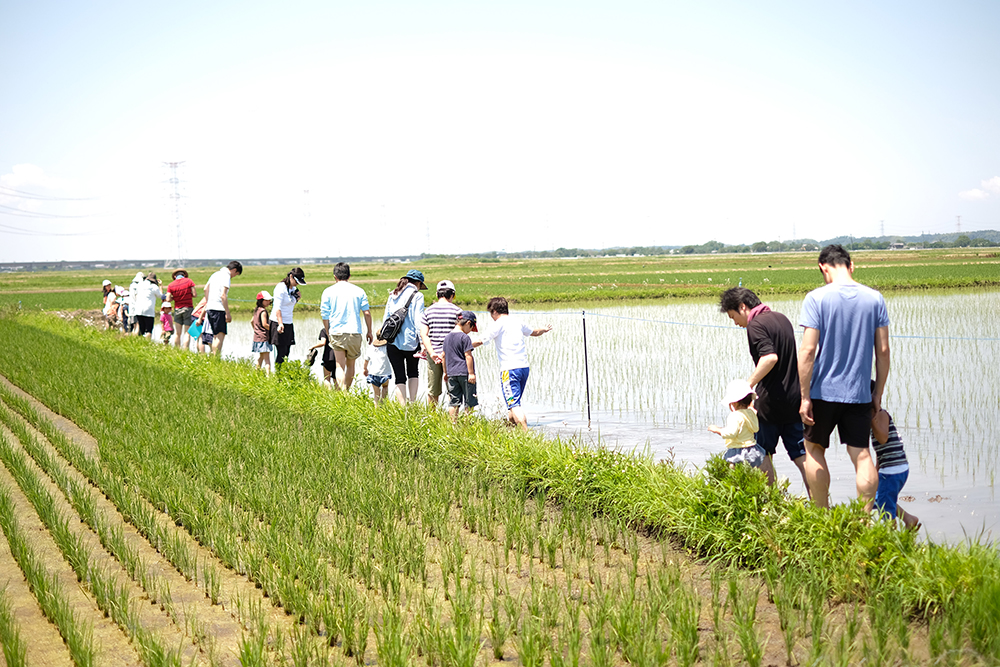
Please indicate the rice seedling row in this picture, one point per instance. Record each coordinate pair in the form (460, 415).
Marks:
(389, 535)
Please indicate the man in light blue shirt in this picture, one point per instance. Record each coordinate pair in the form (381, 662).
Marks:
(341, 307)
(846, 327)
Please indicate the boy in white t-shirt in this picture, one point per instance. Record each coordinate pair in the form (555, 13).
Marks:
(217, 303)
(509, 333)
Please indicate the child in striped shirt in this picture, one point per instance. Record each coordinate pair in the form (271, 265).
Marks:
(893, 469)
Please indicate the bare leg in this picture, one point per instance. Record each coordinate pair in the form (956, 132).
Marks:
(517, 416)
(349, 373)
(768, 467)
(182, 332)
(817, 474)
(909, 520)
(340, 356)
(217, 343)
(400, 394)
(867, 477)
(801, 465)
(413, 384)
(453, 413)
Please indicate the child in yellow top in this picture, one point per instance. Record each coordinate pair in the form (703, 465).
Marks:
(738, 433)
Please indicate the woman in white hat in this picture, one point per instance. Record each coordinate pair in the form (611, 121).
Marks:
(261, 330)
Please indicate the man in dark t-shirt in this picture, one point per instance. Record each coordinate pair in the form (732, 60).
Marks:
(775, 375)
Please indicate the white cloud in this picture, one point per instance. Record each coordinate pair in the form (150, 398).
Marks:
(989, 186)
(975, 194)
(33, 178)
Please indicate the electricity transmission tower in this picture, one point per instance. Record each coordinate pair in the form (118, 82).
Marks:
(175, 195)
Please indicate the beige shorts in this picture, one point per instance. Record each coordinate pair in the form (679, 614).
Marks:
(350, 343)
(435, 374)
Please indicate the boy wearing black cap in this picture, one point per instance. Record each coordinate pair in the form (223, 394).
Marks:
(459, 366)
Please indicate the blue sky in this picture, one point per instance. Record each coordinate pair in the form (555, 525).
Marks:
(472, 126)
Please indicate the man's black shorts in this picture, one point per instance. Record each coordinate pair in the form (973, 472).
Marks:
(853, 422)
(217, 320)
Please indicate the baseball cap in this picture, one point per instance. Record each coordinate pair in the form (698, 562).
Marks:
(299, 275)
(166, 304)
(105, 283)
(470, 317)
(264, 294)
(446, 284)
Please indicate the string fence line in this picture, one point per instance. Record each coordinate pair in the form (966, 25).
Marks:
(723, 326)
(583, 313)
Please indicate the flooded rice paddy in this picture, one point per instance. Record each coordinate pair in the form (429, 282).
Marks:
(657, 372)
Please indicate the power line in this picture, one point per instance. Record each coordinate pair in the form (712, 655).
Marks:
(28, 195)
(7, 229)
(11, 210)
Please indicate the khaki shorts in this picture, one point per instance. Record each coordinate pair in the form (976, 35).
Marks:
(435, 375)
(350, 343)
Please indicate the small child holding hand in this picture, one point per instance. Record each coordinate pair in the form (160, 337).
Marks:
(377, 369)
(166, 321)
(738, 433)
(459, 366)
(892, 466)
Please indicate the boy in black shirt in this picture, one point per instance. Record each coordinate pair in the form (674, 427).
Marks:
(459, 366)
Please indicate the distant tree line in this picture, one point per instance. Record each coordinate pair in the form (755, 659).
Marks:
(868, 243)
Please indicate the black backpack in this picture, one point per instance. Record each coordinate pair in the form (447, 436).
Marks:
(394, 323)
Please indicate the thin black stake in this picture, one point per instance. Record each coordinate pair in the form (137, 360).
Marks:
(586, 367)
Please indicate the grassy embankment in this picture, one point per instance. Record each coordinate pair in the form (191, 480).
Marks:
(556, 280)
(458, 544)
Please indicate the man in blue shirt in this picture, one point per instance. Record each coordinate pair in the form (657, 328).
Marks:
(846, 326)
(341, 307)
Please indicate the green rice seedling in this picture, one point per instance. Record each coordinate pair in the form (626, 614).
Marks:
(354, 626)
(567, 654)
(304, 651)
(984, 621)
(77, 636)
(462, 641)
(212, 581)
(252, 651)
(392, 643)
(817, 621)
(498, 626)
(718, 603)
(683, 613)
(744, 605)
(14, 648)
(785, 594)
(530, 641)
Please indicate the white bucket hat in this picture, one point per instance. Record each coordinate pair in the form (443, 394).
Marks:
(736, 391)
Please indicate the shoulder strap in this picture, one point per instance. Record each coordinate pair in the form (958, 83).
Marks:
(407, 306)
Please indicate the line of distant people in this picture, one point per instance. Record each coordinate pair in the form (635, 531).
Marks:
(438, 334)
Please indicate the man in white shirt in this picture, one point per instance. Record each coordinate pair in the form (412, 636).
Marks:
(217, 302)
(340, 307)
(509, 333)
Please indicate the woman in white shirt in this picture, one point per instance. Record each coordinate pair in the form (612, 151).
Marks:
(286, 295)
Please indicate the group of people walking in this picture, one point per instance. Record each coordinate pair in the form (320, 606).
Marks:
(411, 332)
(795, 394)
(799, 395)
